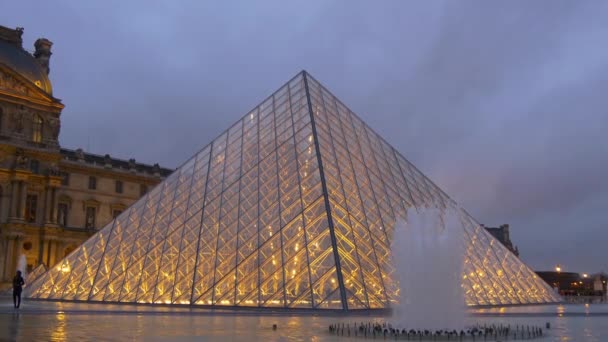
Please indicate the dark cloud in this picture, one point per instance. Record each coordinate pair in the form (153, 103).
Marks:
(501, 103)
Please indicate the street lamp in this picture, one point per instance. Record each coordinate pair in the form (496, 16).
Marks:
(585, 275)
(558, 269)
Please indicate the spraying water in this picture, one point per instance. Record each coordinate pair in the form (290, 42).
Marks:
(428, 254)
(22, 265)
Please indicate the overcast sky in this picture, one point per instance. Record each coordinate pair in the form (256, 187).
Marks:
(503, 104)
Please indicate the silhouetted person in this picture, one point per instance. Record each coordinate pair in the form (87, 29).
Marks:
(18, 283)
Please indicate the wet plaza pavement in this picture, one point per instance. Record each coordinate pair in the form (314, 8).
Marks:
(55, 321)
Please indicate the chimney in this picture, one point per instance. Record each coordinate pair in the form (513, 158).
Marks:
(156, 170)
(132, 166)
(107, 161)
(43, 53)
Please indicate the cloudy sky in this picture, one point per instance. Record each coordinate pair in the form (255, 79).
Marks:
(503, 104)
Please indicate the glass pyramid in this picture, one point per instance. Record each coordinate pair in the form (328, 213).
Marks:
(294, 206)
(37, 272)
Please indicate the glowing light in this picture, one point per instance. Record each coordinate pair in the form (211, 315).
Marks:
(204, 264)
(64, 268)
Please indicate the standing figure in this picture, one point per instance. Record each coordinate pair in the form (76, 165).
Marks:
(18, 283)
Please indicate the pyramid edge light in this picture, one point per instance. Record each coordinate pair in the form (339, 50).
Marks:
(171, 232)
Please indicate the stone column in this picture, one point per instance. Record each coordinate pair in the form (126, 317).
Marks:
(22, 200)
(14, 204)
(47, 252)
(18, 249)
(52, 253)
(42, 249)
(54, 204)
(8, 257)
(47, 205)
(10, 263)
(2, 257)
(59, 247)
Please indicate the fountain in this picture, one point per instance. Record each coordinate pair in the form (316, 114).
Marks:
(22, 265)
(428, 254)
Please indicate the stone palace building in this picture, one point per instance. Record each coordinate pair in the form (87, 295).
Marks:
(51, 198)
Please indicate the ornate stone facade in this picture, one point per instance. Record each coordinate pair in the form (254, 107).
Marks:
(502, 234)
(51, 199)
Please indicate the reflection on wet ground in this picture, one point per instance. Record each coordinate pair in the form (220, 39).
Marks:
(55, 321)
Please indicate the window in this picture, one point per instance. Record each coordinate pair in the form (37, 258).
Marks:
(143, 189)
(119, 187)
(37, 129)
(116, 212)
(31, 206)
(34, 166)
(62, 214)
(90, 218)
(92, 183)
(65, 178)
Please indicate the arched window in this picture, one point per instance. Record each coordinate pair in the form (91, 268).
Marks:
(37, 129)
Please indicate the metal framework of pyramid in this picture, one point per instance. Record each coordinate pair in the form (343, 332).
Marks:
(294, 206)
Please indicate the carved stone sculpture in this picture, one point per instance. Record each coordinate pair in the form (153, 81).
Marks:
(20, 159)
(54, 170)
(55, 127)
(17, 119)
(80, 154)
(107, 161)
(132, 167)
(43, 53)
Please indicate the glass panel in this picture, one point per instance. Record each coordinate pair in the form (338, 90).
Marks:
(244, 222)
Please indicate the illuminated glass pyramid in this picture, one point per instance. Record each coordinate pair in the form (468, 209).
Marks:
(293, 206)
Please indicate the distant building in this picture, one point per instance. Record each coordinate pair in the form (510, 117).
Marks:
(575, 284)
(502, 234)
(52, 199)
